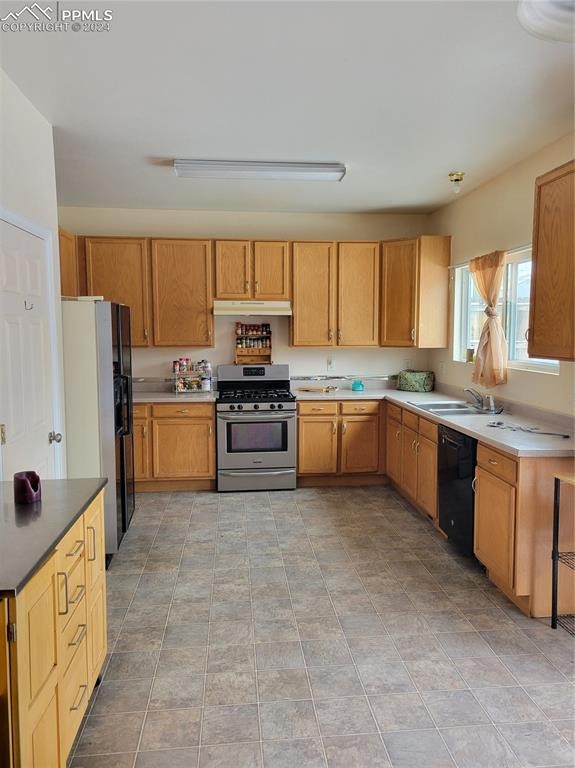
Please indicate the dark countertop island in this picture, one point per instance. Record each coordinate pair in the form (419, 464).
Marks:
(30, 532)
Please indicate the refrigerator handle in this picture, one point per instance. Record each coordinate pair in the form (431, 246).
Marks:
(126, 404)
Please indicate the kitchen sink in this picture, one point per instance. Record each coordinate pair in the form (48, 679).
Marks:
(448, 409)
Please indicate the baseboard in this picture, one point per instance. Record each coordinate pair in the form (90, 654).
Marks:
(310, 481)
(149, 486)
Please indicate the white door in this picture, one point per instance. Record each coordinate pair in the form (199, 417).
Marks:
(29, 357)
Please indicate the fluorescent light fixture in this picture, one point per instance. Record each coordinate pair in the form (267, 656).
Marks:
(258, 170)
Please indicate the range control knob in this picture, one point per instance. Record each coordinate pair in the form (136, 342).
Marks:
(280, 406)
(240, 407)
(272, 406)
(232, 407)
(256, 407)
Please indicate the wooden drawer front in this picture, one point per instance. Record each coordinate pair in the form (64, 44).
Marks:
(74, 696)
(496, 463)
(71, 591)
(188, 410)
(394, 411)
(360, 408)
(411, 420)
(318, 408)
(141, 410)
(71, 547)
(428, 429)
(72, 636)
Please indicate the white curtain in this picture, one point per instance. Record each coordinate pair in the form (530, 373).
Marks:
(491, 357)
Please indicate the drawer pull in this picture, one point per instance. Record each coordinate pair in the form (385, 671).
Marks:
(82, 690)
(397, 434)
(79, 636)
(91, 528)
(413, 448)
(334, 428)
(343, 427)
(473, 484)
(64, 612)
(77, 549)
(330, 335)
(184, 410)
(492, 461)
(79, 594)
(317, 409)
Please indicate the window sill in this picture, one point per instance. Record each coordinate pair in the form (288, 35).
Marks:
(550, 370)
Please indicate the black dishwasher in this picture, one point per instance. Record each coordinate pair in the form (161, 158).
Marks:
(455, 473)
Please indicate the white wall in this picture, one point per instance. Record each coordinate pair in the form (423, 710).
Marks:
(499, 216)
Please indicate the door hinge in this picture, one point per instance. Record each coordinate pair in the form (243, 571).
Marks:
(11, 631)
(2, 434)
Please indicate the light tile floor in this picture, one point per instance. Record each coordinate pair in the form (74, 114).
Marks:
(314, 628)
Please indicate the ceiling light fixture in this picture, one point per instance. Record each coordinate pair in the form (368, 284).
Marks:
(456, 179)
(548, 19)
(232, 170)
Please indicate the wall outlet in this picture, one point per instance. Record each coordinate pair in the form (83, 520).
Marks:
(330, 364)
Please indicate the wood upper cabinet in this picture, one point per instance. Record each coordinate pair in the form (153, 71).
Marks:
(409, 461)
(359, 444)
(317, 445)
(314, 294)
(393, 442)
(427, 476)
(272, 274)
(69, 272)
(358, 294)
(117, 269)
(415, 292)
(233, 269)
(494, 530)
(551, 311)
(141, 450)
(182, 292)
(183, 448)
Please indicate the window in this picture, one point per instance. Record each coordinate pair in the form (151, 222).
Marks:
(513, 308)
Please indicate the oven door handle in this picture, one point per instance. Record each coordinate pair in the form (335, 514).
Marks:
(267, 416)
(265, 473)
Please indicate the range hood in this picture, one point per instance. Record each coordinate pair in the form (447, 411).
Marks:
(252, 307)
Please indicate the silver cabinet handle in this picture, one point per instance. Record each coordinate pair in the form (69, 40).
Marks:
(492, 461)
(77, 549)
(413, 334)
(54, 437)
(398, 433)
(413, 445)
(184, 410)
(257, 286)
(79, 594)
(318, 409)
(266, 473)
(145, 333)
(79, 636)
(251, 416)
(334, 428)
(358, 408)
(473, 484)
(210, 430)
(343, 427)
(330, 335)
(247, 286)
(339, 336)
(145, 432)
(91, 528)
(64, 612)
(83, 689)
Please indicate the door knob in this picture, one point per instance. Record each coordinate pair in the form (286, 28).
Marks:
(54, 437)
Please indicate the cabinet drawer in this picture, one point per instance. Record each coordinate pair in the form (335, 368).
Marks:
(74, 696)
(496, 463)
(190, 410)
(71, 591)
(411, 420)
(318, 408)
(73, 635)
(141, 410)
(71, 548)
(394, 411)
(360, 408)
(428, 429)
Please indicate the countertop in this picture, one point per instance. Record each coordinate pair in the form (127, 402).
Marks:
(173, 397)
(30, 532)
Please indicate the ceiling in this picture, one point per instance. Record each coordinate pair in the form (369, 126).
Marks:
(402, 92)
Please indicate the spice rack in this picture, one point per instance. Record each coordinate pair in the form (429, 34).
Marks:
(191, 377)
(253, 344)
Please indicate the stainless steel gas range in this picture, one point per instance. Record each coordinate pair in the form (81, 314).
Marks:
(256, 428)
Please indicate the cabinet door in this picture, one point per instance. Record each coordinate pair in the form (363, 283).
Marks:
(182, 292)
(69, 277)
(95, 588)
(551, 313)
(359, 444)
(183, 448)
(398, 296)
(317, 445)
(97, 632)
(117, 269)
(358, 289)
(393, 450)
(272, 278)
(233, 269)
(95, 543)
(141, 450)
(314, 294)
(427, 476)
(494, 531)
(409, 462)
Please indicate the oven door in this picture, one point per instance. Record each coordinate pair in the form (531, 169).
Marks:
(256, 440)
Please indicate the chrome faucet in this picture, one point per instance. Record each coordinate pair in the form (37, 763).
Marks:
(480, 402)
(476, 396)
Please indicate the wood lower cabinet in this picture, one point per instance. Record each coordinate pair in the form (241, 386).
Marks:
(409, 461)
(314, 295)
(57, 645)
(393, 450)
(182, 292)
(494, 532)
(69, 270)
(183, 448)
(332, 441)
(415, 292)
(358, 294)
(317, 445)
(141, 449)
(552, 305)
(117, 268)
(427, 476)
